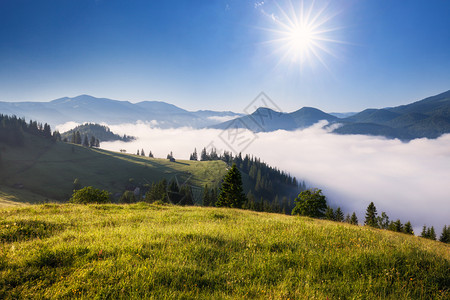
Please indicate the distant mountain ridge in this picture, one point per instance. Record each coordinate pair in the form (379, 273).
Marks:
(85, 108)
(427, 118)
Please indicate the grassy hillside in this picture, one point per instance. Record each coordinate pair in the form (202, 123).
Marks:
(47, 169)
(168, 252)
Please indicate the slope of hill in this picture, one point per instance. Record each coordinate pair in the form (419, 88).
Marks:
(428, 118)
(144, 251)
(49, 169)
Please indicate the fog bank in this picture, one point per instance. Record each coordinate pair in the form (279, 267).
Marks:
(410, 181)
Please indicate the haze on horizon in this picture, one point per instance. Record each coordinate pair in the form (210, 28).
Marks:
(334, 55)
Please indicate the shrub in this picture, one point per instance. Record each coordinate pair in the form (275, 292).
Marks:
(90, 195)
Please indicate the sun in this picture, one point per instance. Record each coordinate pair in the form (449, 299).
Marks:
(301, 34)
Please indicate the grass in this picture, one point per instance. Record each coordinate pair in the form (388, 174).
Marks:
(46, 170)
(168, 252)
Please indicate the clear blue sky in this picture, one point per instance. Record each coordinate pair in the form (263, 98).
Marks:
(216, 55)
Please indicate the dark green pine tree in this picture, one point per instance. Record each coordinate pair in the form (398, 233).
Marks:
(92, 141)
(339, 215)
(85, 141)
(354, 219)
(78, 138)
(445, 235)
(142, 152)
(206, 197)
(408, 229)
(231, 192)
(431, 233)
(424, 232)
(396, 226)
(347, 218)
(329, 214)
(371, 216)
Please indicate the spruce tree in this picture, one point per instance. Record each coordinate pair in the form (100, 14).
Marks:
(371, 216)
(347, 218)
(206, 198)
(408, 229)
(231, 192)
(85, 141)
(329, 214)
(431, 233)
(354, 219)
(142, 152)
(424, 232)
(445, 235)
(92, 142)
(339, 215)
(78, 138)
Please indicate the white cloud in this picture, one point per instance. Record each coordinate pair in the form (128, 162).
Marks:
(409, 181)
(66, 126)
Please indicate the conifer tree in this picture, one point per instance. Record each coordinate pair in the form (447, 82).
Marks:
(408, 229)
(206, 198)
(424, 232)
(431, 233)
(445, 235)
(92, 141)
(329, 214)
(347, 218)
(383, 221)
(204, 155)
(371, 216)
(231, 192)
(78, 138)
(150, 154)
(339, 215)
(194, 155)
(142, 152)
(396, 226)
(354, 219)
(85, 141)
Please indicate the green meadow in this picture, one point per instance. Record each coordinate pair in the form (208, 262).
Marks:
(149, 251)
(42, 171)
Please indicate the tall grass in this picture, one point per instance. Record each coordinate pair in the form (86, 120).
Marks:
(166, 252)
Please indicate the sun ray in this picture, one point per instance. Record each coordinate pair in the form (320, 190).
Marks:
(303, 33)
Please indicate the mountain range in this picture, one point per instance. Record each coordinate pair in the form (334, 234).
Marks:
(85, 108)
(427, 118)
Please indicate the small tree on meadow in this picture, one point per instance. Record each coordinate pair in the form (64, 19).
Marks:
(445, 235)
(90, 194)
(383, 221)
(354, 219)
(339, 215)
(329, 214)
(371, 216)
(231, 192)
(85, 141)
(310, 203)
(408, 229)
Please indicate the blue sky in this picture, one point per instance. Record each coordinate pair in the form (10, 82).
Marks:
(218, 55)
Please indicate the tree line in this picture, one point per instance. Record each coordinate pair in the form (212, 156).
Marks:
(312, 203)
(12, 130)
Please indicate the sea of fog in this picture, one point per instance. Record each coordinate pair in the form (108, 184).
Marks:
(409, 181)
